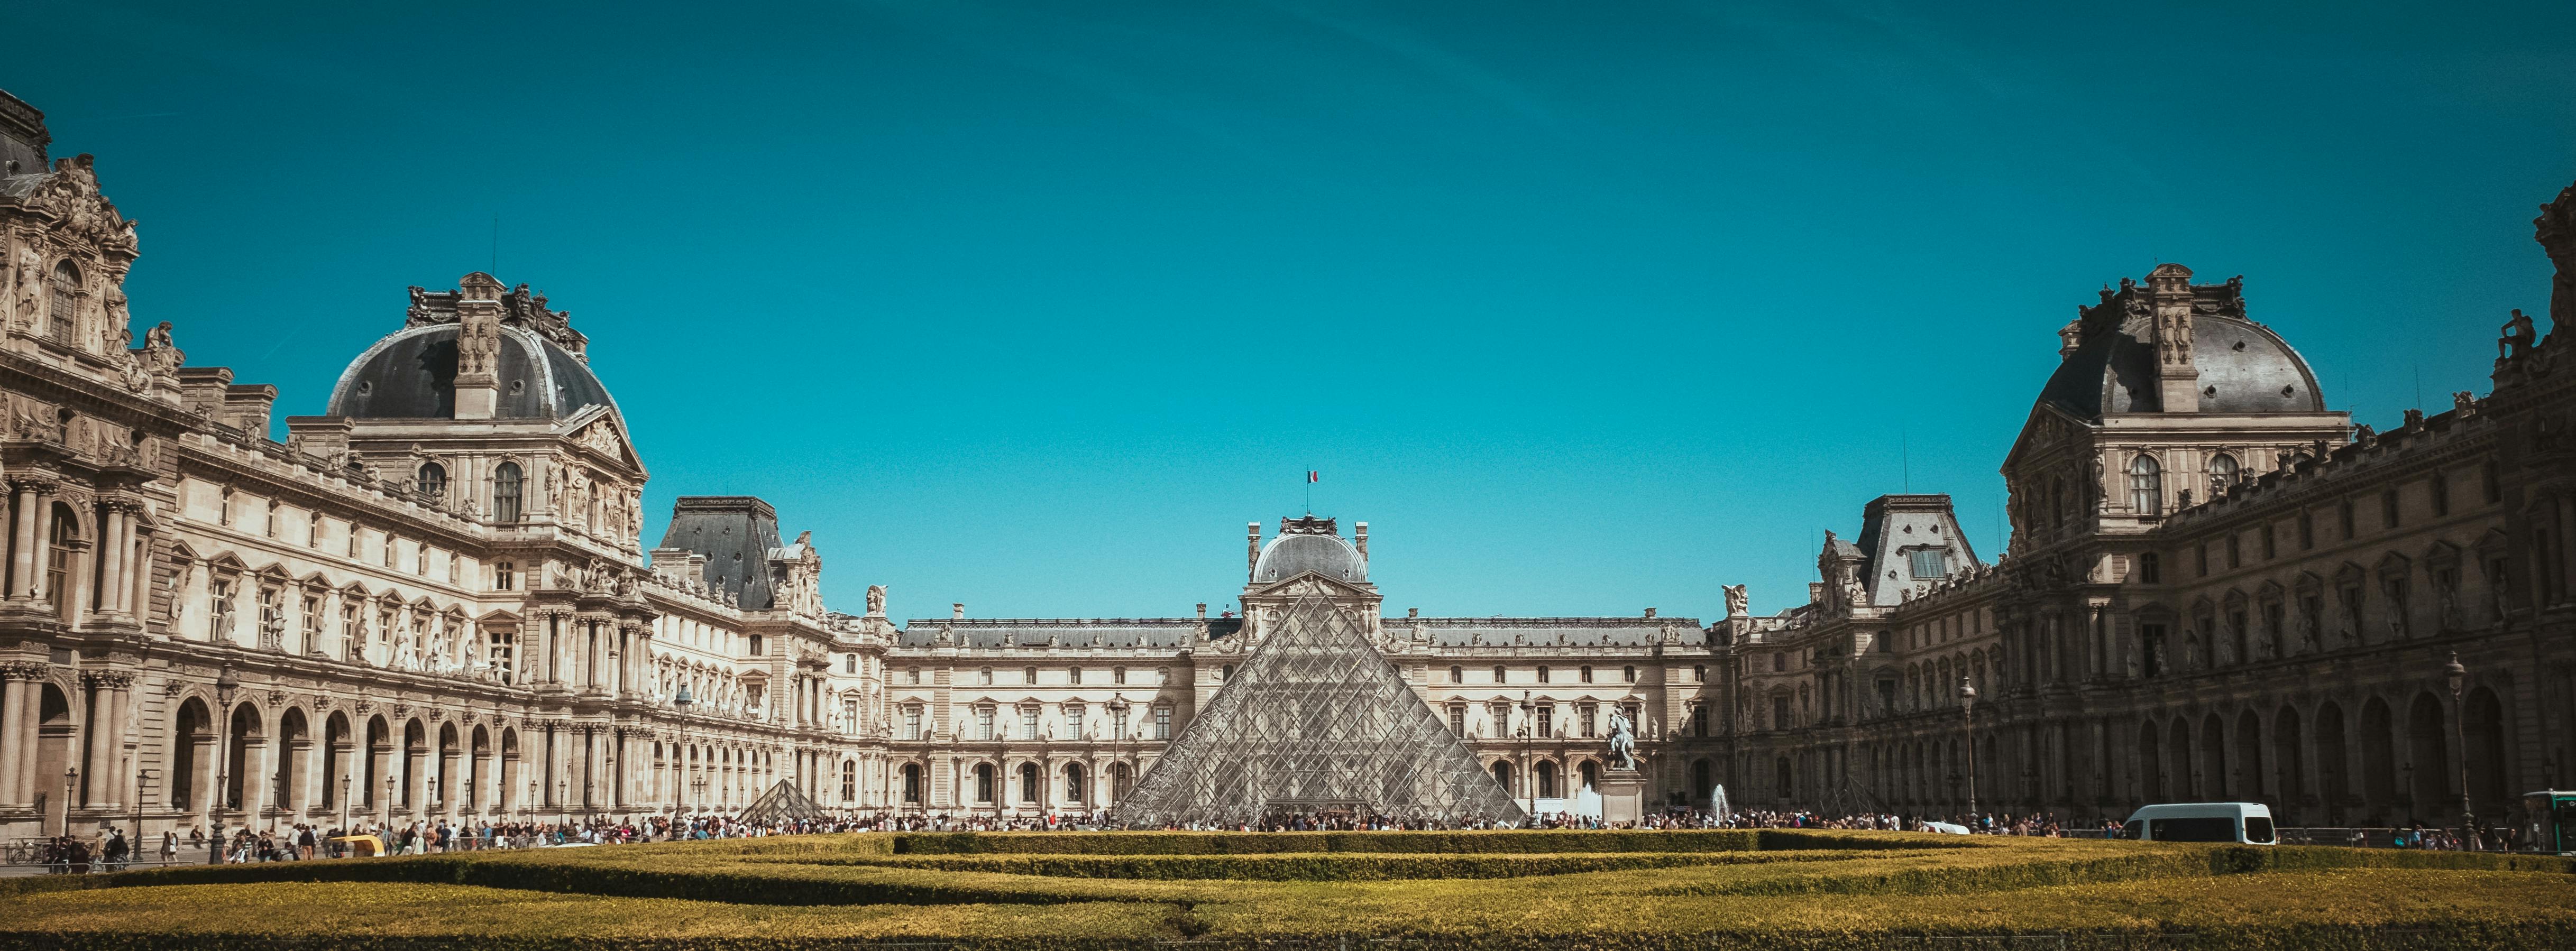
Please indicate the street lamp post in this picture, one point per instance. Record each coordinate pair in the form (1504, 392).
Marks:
(1968, 716)
(682, 701)
(2457, 677)
(71, 778)
(227, 683)
(1117, 746)
(140, 777)
(344, 802)
(1529, 710)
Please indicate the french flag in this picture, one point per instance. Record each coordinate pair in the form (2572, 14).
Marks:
(1313, 477)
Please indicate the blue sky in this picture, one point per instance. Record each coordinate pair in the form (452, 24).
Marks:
(1584, 307)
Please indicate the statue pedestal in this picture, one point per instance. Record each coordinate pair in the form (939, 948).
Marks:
(1623, 795)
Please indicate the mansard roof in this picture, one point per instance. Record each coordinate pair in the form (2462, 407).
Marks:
(2243, 366)
(1151, 632)
(1892, 526)
(1547, 631)
(738, 534)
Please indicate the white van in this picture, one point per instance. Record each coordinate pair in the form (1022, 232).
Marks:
(2249, 823)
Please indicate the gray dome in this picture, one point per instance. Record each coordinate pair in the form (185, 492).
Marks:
(1288, 556)
(411, 374)
(2244, 368)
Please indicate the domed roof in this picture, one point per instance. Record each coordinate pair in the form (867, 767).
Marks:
(411, 374)
(2243, 366)
(1288, 556)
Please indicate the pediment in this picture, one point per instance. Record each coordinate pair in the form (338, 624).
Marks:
(597, 429)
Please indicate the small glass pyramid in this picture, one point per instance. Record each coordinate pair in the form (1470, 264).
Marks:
(783, 801)
(1317, 722)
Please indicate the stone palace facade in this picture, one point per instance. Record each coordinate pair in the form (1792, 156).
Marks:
(433, 599)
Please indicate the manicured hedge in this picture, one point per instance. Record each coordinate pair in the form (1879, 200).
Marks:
(1335, 866)
(1485, 842)
(2101, 895)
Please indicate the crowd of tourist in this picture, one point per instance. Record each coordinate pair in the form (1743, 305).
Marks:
(112, 851)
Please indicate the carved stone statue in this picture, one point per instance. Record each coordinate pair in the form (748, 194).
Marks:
(160, 356)
(30, 285)
(876, 600)
(1623, 741)
(2518, 337)
(1735, 600)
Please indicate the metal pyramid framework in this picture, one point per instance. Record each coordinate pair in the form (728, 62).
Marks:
(1316, 720)
(783, 801)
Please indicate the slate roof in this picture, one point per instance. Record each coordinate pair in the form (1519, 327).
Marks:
(1547, 631)
(1152, 632)
(411, 374)
(737, 533)
(1288, 556)
(2244, 366)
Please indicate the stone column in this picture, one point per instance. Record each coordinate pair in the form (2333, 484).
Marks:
(98, 761)
(40, 549)
(137, 594)
(299, 793)
(22, 566)
(112, 554)
(448, 792)
(18, 693)
(254, 779)
(379, 791)
(121, 788)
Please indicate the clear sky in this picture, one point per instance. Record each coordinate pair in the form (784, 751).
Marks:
(1584, 307)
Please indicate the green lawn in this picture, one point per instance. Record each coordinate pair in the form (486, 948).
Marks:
(1488, 889)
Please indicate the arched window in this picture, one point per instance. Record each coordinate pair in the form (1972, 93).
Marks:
(2222, 471)
(1503, 774)
(65, 311)
(433, 480)
(1029, 783)
(912, 783)
(1545, 772)
(505, 492)
(983, 782)
(849, 780)
(1073, 783)
(2146, 485)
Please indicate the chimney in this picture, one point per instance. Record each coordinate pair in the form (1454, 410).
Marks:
(1251, 548)
(1412, 612)
(1650, 612)
(2177, 377)
(1202, 610)
(957, 611)
(478, 346)
(1362, 536)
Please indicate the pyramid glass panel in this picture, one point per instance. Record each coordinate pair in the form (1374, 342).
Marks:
(1317, 721)
(783, 801)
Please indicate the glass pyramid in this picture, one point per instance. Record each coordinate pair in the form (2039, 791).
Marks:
(1316, 721)
(783, 801)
